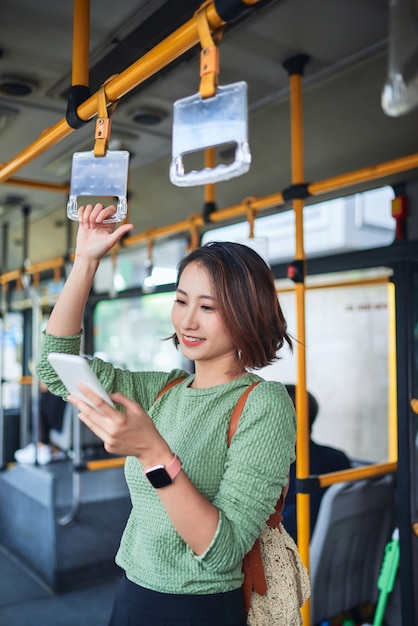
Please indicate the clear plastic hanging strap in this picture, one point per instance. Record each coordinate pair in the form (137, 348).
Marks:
(102, 177)
(400, 92)
(202, 123)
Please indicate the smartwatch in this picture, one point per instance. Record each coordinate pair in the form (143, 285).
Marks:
(163, 475)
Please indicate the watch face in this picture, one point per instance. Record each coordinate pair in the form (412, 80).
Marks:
(159, 477)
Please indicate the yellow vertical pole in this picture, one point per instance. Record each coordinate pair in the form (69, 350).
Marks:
(295, 67)
(210, 162)
(81, 42)
(392, 382)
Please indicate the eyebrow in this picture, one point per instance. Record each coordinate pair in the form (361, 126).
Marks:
(203, 296)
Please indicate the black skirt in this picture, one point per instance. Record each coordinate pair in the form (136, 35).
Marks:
(136, 606)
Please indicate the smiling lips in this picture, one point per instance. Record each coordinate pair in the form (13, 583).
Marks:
(192, 341)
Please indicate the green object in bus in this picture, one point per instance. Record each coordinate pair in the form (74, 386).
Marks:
(387, 576)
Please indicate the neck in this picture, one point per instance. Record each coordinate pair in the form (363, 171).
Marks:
(210, 375)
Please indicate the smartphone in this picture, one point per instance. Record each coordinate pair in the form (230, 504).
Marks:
(74, 369)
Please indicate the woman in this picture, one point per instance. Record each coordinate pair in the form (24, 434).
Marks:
(200, 506)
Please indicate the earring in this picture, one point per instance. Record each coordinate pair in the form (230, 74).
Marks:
(239, 355)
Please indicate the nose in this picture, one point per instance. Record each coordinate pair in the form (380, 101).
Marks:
(190, 319)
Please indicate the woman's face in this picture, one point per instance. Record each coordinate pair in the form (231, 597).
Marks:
(196, 318)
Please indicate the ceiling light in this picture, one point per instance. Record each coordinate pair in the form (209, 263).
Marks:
(16, 86)
(148, 117)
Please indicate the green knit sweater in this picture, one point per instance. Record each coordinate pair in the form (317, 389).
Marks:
(243, 481)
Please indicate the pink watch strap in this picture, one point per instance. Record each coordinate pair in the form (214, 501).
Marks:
(174, 467)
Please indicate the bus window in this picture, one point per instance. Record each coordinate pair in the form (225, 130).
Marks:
(131, 333)
(141, 267)
(346, 359)
(357, 222)
(11, 337)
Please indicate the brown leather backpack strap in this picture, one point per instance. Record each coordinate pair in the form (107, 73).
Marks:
(257, 569)
(277, 517)
(247, 585)
(252, 564)
(236, 413)
(168, 386)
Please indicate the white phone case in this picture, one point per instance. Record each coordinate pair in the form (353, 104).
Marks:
(73, 369)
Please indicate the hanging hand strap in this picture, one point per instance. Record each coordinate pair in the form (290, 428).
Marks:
(103, 122)
(209, 56)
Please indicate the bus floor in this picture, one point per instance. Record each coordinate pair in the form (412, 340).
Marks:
(26, 601)
(55, 570)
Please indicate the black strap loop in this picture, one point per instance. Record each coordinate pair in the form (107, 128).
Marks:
(78, 95)
(307, 485)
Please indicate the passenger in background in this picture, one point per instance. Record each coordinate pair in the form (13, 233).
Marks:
(51, 412)
(322, 460)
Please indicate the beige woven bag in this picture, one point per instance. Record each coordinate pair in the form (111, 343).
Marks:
(287, 582)
(276, 583)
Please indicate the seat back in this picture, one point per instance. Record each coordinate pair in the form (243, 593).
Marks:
(63, 438)
(355, 521)
(66, 438)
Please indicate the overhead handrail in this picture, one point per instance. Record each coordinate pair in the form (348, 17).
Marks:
(327, 185)
(345, 283)
(357, 473)
(37, 184)
(260, 204)
(276, 199)
(156, 59)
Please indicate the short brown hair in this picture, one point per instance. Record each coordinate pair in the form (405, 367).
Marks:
(247, 298)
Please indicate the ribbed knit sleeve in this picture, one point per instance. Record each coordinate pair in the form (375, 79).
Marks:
(46, 373)
(142, 387)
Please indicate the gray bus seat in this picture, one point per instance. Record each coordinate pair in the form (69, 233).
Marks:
(355, 521)
(64, 438)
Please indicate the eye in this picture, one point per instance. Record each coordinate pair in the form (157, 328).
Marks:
(206, 307)
(180, 302)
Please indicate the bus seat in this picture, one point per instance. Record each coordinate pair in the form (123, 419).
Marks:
(65, 437)
(355, 521)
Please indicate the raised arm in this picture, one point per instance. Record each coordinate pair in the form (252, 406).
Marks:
(94, 240)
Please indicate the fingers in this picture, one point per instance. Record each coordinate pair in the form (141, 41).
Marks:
(126, 433)
(101, 418)
(95, 218)
(93, 214)
(97, 405)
